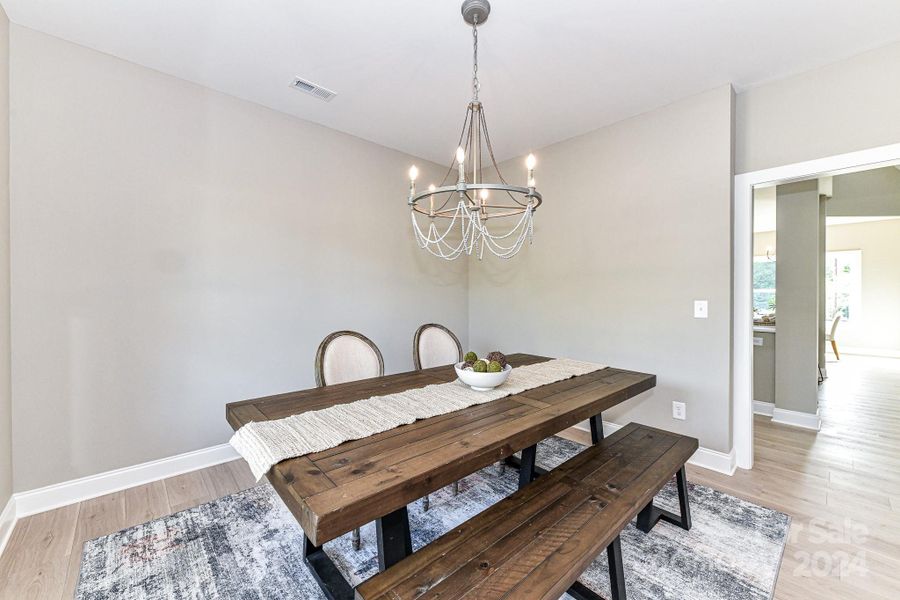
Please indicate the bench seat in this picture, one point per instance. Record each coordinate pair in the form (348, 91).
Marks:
(535, 543)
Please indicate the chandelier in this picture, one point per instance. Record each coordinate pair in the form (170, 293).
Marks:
(470, 215)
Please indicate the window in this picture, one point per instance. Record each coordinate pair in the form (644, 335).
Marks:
(763, 285)
(843, 284)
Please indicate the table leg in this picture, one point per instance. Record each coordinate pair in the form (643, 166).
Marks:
(326, 573)
(394, 540)
(526, 466)
(596, 428)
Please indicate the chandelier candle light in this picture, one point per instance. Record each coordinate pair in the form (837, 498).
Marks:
(470, 204)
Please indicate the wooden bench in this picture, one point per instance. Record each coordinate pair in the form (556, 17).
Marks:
(535, 543)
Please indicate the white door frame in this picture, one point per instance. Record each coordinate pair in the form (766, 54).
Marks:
(742, 350)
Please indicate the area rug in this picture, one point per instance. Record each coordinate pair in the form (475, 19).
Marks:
(248, 545)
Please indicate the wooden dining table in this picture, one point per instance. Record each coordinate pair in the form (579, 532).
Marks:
(335, 491)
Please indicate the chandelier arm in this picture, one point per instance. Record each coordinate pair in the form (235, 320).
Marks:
(490, 148)
(462, 135)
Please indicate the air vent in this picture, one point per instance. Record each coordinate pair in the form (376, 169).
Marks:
(312, 89)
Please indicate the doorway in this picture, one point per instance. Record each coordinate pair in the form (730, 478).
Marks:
(742, 351)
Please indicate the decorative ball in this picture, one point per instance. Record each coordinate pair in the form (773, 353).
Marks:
(468, 365)
(480, 366)
(494, 367)
(470, 357)
(497, 356)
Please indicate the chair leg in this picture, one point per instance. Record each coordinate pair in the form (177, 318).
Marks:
(501, 467)
(455, 488)
(426, 503)
(357, 542)
(834, 347)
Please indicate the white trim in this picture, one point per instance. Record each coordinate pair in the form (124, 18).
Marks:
(742, 301)
(77, 490)
(714, 460)
(703, 457)
(763, 408)
(796, 418)
(7, 522)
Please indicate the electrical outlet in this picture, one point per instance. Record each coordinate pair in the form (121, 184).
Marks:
(679, 411)
(701, 309)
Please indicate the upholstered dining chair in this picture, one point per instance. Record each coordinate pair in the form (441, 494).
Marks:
(345, 356)
(829, 337)
(435, 346)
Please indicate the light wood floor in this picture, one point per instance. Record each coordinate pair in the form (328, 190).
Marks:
(841, 486)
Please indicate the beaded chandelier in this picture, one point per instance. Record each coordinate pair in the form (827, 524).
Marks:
(469, 216)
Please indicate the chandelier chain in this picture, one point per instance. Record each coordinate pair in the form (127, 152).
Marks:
(476, 85)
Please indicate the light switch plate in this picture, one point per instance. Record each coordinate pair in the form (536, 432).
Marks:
(679, 411)
(757, 341)
(701, 309)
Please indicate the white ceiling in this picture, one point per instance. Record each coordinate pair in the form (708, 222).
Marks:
(549, 70)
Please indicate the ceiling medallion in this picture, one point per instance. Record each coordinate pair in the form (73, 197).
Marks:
(470, 215)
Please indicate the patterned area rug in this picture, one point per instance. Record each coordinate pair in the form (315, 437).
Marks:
(249, 546)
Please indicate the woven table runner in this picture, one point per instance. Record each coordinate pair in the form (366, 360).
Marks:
(266, 443)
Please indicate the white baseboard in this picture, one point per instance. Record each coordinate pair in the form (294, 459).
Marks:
(722, 462)
(796, 418)
(763, 408)
(714, 460)
(77, 490)
(7, 522)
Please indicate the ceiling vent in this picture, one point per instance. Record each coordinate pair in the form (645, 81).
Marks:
(312, 89)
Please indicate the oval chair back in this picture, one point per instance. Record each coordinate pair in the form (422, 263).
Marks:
(834, 324)
(347, 356)
(435, 346)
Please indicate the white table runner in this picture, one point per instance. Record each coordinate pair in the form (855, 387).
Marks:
(266, 443)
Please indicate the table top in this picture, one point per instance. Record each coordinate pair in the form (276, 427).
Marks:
(342, 488)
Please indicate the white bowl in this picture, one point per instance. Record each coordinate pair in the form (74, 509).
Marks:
(482, 382)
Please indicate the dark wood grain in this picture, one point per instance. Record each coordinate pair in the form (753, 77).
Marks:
(342, 488)
(537, 542)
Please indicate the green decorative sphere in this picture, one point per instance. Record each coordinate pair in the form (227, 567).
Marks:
(470, 357)
(494, 367)
(480, 366)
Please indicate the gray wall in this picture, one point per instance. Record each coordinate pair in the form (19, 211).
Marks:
(797, 281)
(764, 368)
(868, 193)
(635, 226)
(176, 249)
(5, 395)
(849, 105)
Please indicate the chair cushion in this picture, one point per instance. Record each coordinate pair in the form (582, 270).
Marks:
(348, 358)
(437, 348)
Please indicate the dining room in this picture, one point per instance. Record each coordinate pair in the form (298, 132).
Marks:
(283, 317)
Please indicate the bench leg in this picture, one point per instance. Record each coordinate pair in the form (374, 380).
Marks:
(651, 515)
(326, 573)
(616, 577)
(526, 466)
(616, 570)
(394, 540)
(596, 428)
